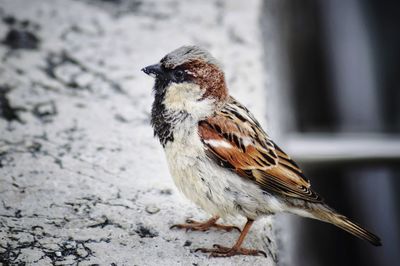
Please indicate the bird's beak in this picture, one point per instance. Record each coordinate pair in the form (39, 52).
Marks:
(153, 70)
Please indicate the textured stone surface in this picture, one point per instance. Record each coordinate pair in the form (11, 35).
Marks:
(82, 180)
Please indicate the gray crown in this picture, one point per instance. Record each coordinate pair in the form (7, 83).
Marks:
(186, 54)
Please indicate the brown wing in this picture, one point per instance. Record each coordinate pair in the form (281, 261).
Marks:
(235, 140)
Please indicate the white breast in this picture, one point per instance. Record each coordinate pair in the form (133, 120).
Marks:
(216, 190)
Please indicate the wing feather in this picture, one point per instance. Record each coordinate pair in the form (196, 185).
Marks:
(234, 140)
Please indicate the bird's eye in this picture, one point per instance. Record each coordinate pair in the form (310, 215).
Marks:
(179, 75)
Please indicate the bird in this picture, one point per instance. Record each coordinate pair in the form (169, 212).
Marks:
(219, 156)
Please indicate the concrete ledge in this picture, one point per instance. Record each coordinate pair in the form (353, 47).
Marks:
(82, 180)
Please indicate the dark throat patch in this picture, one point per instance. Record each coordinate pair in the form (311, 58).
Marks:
(162, 120)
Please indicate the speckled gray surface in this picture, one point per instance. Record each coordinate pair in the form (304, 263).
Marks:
(82, 180)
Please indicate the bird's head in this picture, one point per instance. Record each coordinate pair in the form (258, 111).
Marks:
(189, 79)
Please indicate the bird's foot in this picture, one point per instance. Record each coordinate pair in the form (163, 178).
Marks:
(221, 251)
(199, 226)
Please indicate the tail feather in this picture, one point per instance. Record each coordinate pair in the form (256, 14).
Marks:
(328, 215)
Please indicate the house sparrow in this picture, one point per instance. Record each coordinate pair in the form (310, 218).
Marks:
(221, 158)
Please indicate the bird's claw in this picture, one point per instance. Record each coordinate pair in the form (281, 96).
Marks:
(221, 251)
(198, 226)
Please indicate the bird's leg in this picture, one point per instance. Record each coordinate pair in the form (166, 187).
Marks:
(221, 251)
(204, 226)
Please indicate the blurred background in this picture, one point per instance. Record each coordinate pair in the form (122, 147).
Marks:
(337, 97)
